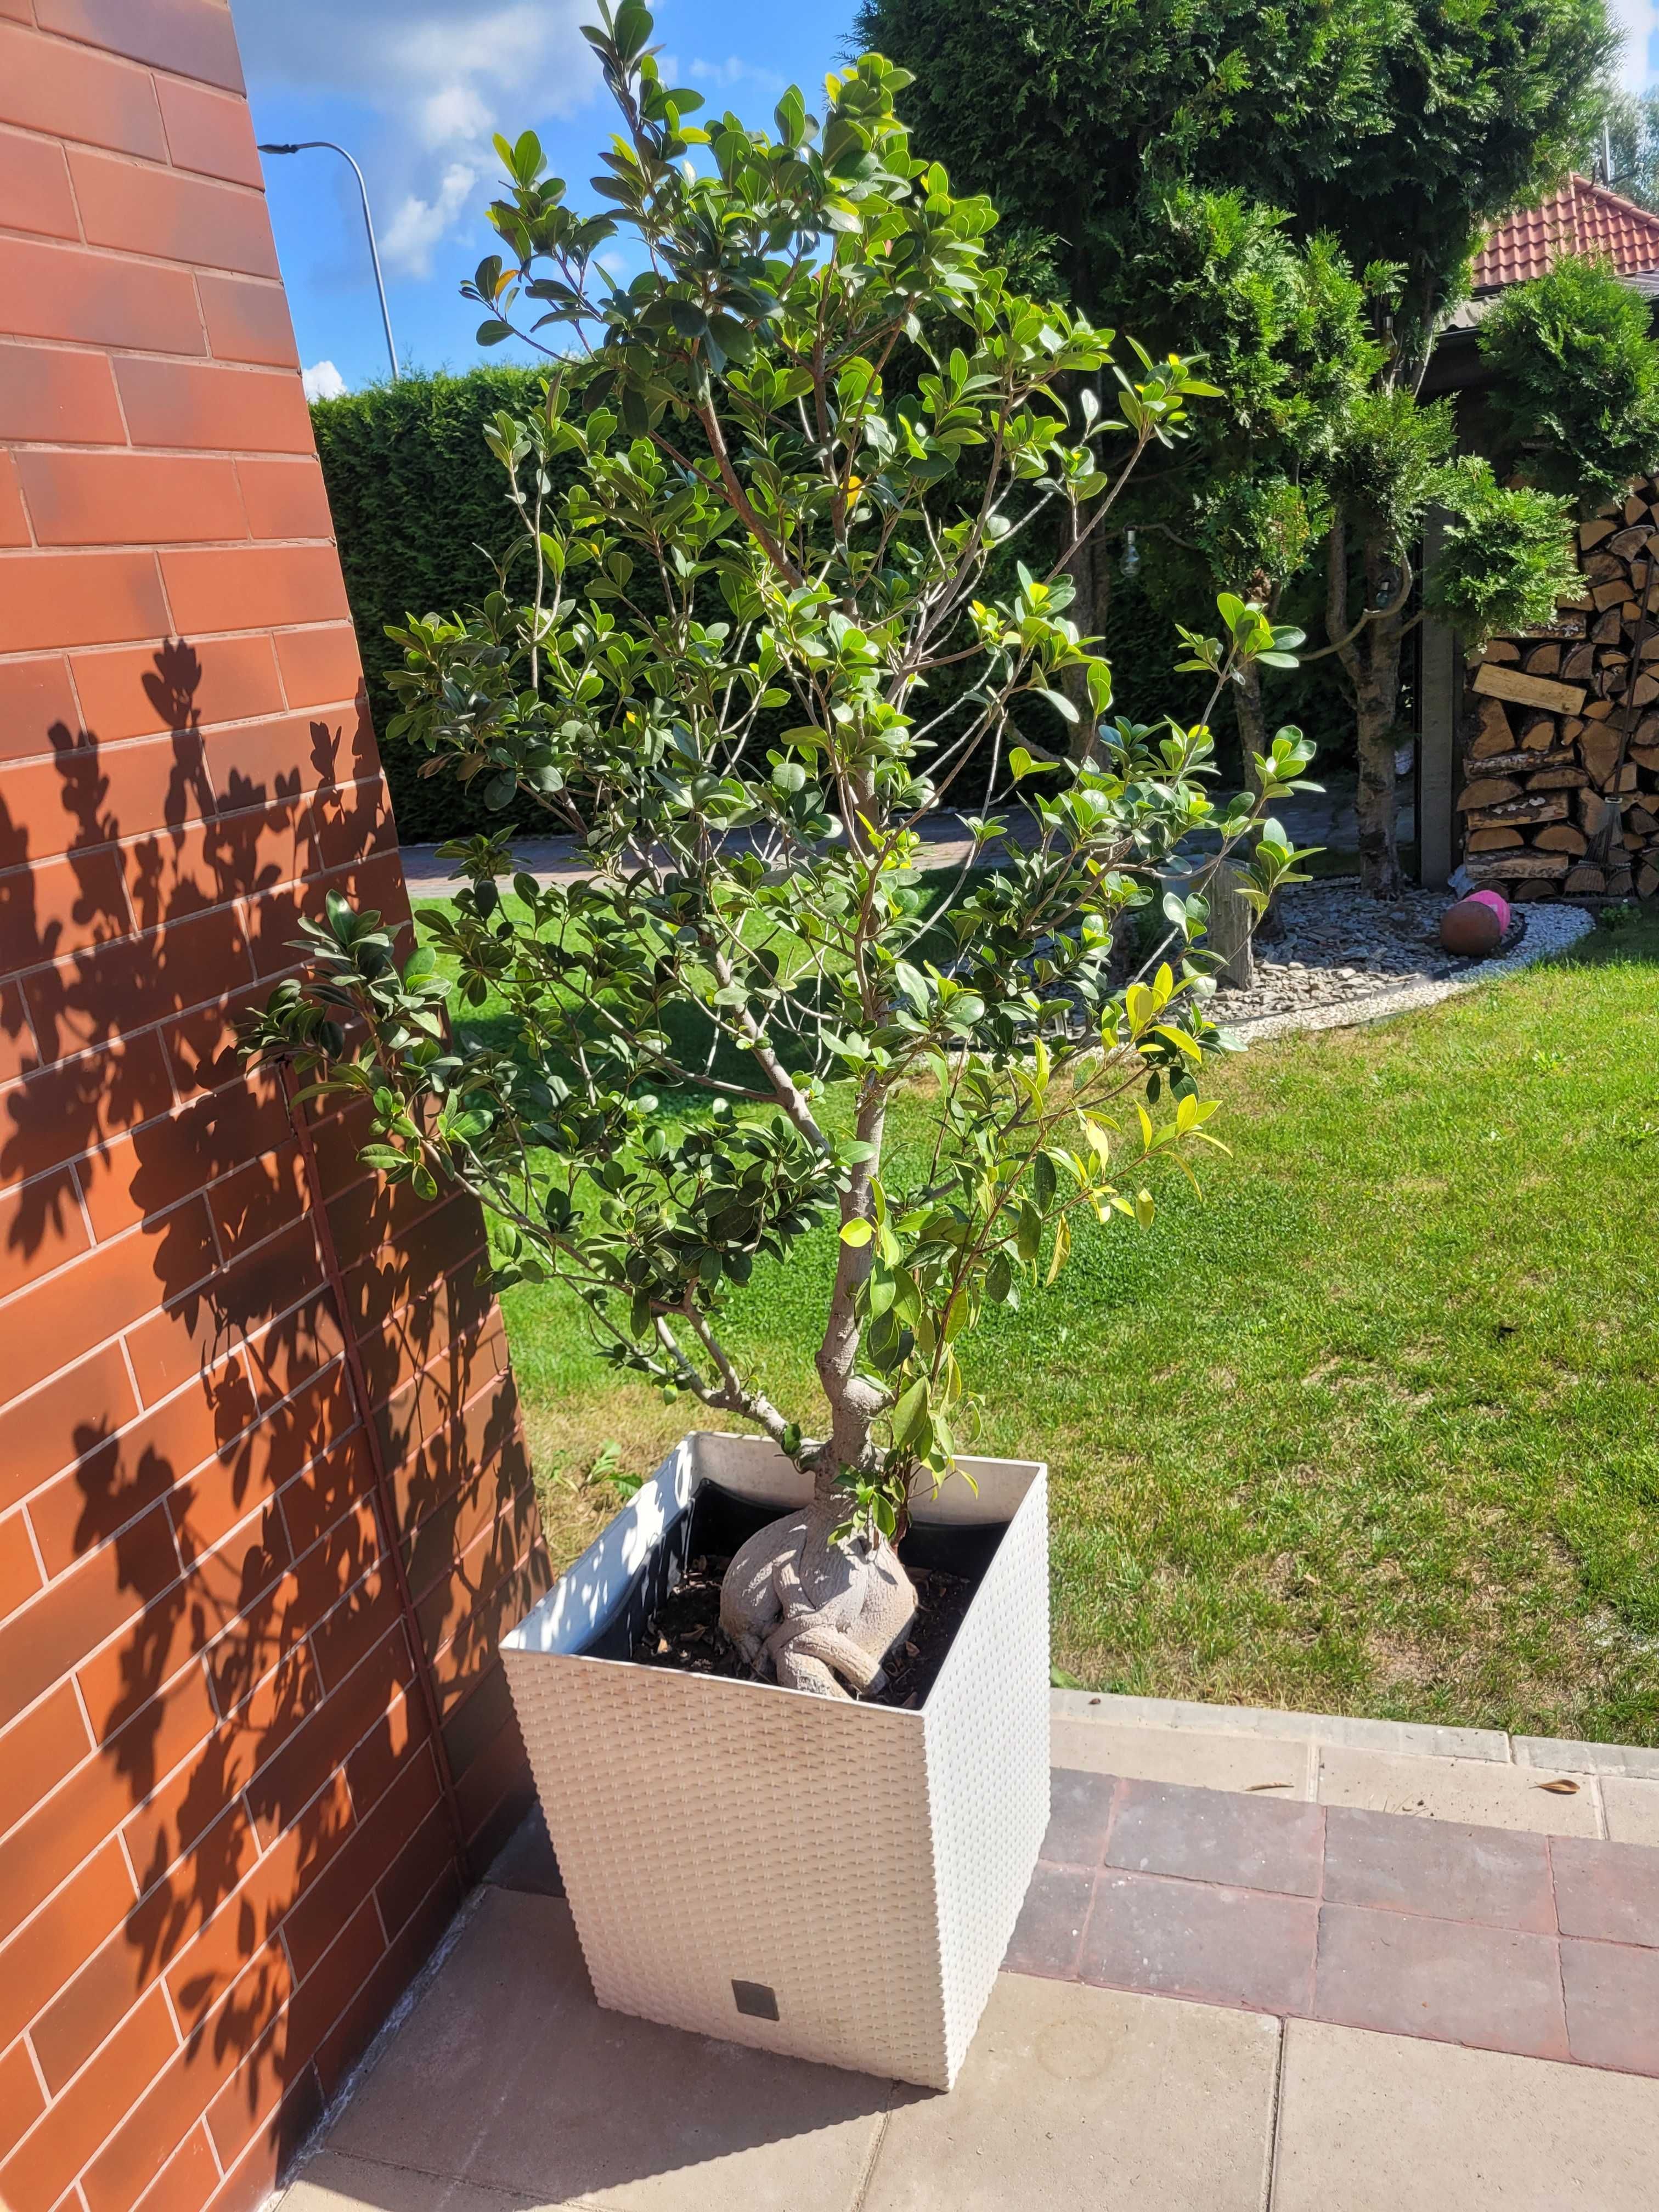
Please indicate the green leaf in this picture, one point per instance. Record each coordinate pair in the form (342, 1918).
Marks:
(857, 1232)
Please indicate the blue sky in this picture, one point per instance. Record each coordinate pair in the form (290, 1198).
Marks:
(415, 88)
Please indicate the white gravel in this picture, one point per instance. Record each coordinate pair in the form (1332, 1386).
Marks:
(1347, 958)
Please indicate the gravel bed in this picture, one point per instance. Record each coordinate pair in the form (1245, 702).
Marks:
(1346, 957)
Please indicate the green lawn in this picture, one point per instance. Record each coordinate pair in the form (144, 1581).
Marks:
(1371, 1429)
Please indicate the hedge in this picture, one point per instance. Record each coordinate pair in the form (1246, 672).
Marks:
(418, 503)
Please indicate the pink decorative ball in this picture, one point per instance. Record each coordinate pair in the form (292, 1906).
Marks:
(1475, 926)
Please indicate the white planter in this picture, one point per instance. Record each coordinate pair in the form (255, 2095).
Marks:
(854, 1869)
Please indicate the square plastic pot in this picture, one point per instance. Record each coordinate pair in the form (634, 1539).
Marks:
(834, 1881)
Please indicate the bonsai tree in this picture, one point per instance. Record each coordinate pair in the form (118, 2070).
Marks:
(782, 614)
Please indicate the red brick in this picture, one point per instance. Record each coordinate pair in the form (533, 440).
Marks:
(336, 1482)
(285, 499)
(428, 1855)
(140, 691)
(44, 1849)
(35, 703)
(408, 1952)
(58, 1319)
(204, 1048)
(187, 2180)
(352, 825)
(472, 1652)
(210, 133)
(1495, 1989)
(151, 1459)
(401, 1738)
(66, 292)
(69, 1929)
(289, 757)
(34, 186)
(48, 2160)
(53, 907)
(205, 866)
(166, 1348)
(74, 1107)
(70, 92)
(78, 599)
(137, 1177)
(130, 499)
(13, 523)
(274, 920)
(138, 981)
(20, 1577)
(169, 402)
(57, 396)
(208, 1964)
(88, 2003)
(37, 1432)
(320, 667)
(37, 1752)
(246, 322)
(249, 588)
(20, 2101)
(193, 38)
(359, 1709)
(40, 1228)
(38, 1645)
(194, 1815)
(258, 1199)
(19, 1054)
(278, 2115)
(87, 794)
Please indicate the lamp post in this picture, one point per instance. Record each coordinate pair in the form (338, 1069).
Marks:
(309, 145)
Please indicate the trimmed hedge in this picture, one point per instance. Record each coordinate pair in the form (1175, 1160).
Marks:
(416, 494)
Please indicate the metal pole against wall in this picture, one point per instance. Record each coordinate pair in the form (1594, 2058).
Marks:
(310, 145)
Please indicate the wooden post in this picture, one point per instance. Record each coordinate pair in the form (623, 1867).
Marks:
(1231, 929)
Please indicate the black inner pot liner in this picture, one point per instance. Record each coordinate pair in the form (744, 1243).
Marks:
(719, 1522)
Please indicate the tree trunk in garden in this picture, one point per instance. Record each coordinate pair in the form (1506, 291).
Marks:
(1369, 655)
(1231, 932)
(1091, 571)
(814, 1613)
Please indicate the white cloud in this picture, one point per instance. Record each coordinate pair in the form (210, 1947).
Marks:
(322, 380)
(419, 225)
(1639, 20)
(443, 74)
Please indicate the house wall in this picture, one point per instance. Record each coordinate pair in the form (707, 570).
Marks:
(225, 1840)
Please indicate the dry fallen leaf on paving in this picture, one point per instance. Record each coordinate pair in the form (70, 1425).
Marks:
(1269, 1785)
(1560, 1786)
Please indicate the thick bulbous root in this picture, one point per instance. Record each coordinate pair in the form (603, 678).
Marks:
(817, 1615)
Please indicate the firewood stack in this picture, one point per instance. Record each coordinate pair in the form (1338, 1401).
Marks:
(1562, 764)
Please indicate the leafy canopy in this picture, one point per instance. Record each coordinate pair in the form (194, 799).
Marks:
(732, 659)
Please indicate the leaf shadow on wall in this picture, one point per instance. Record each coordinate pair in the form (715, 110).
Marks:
(234, 1633)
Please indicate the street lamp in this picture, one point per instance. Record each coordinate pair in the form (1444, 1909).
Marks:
(309, 145)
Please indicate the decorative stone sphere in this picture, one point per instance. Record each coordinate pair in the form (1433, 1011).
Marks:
(1475, 926)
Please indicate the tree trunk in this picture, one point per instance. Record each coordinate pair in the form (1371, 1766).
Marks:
(815, 1613)
(1091, 571)
(1231, 930)
(1370, 660)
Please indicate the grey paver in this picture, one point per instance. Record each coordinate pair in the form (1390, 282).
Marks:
(1477, 1791)
(1073, 2096)
(1494, 1987)
(1612, 2005)
(1567, 1756)
(1608, 1891)
(508, 2076)
(1215, 1835)
(1190, 1756)
(1632, 1810)
(1373, 2122)
(1193, 1939)
(1424, 1739)
(332, 2183)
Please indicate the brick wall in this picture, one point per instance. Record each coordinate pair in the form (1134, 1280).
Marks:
(224, 1843)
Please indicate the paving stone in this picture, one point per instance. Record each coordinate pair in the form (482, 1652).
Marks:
(1184, 1755)
(1567, 1756)
(1049, 1930)
(1080, 1812)
(1612, 2005)
(1496, 1877)
(1632, 1810)
(1479, 1792)
(1081, 2097)
(507, 2075)
(1213, 1835)
(1493, 1987)
(1376, 2123)
(1229, 1947)
(331, 2183)
(1610, 1891)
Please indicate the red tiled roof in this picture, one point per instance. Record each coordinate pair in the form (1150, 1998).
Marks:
(1583, 218)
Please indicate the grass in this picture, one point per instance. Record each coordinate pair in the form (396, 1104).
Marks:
(1371, 1429)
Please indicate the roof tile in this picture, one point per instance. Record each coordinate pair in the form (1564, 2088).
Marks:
(1582, 218)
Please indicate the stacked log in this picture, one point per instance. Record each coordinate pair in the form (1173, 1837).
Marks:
(1561, 763)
